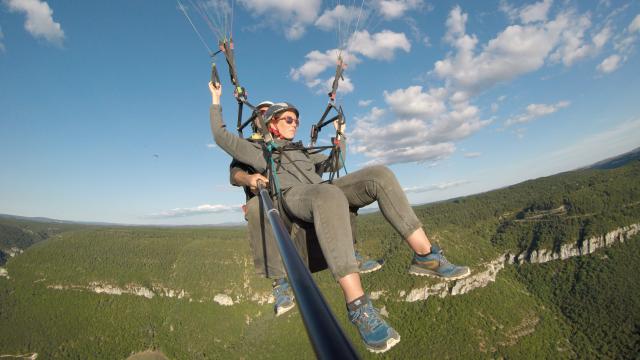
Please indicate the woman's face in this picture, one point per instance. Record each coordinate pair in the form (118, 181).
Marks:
(286, 123)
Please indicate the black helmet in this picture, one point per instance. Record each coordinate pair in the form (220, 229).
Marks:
(278, 108)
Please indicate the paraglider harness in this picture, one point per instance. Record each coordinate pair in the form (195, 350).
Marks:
(335, 160)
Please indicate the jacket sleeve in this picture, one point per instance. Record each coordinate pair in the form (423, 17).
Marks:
(236, 167)
(240, 149)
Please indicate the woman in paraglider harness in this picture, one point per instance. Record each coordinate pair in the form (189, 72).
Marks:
(326, 205)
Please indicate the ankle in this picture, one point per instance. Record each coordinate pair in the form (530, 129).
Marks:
(417, 254)
(357, 303)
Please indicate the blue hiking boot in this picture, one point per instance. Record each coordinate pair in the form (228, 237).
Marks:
(377, 335)
(435, 264)
(283, 297)
(367, 265)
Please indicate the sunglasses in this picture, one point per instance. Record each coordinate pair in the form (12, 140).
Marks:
(289, 119)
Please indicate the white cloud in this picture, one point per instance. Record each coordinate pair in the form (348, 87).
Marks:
(432, 187)
(602, 37)
(292, 15)
(413, 102)
(344, 87)
(212, 146)
(393, 9)
(318, 62)
(610, 64)
(364, 103)
(472, 155)
(456, 23)
(517, 50)
(417, 126)
(197, 210)
(339, 17)
(380, 45)
(635, 24)
(39, 19)
(572, 44)
(623, 44)
(508, 9)
(535, 111)
(535, 12)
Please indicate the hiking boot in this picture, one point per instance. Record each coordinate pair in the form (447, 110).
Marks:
(367, 265)
(435, 264)
(283, 297)
(377, 335)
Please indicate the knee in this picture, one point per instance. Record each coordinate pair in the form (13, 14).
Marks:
(382, 174)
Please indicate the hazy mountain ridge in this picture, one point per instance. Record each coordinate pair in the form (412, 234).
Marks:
(617, 161)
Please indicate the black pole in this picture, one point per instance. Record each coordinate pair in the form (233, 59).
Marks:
(326, 335)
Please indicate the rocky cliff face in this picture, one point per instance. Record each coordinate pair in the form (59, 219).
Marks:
(490, 270)
(588, 246)
(103, 288)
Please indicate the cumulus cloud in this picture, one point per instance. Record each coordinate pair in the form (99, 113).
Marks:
(610, 64)
(365, 103)
(435, 187)
(518, 49)
(212, 146)
(198, 210)
(339, 16)
(417, 126)
(635, 24)
(534, 111)
(572, 44)
(535, 12)
(293, 16)
(623, 46)
(39, 19)
(413, 102)
(393, 9)
(318, 62)
(382, 46)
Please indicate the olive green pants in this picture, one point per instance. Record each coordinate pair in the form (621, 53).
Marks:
(266, 256)
(327, 207)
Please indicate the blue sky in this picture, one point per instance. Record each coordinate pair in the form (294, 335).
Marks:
(104, 105)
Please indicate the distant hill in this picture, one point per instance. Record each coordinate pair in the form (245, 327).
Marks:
(17, 233)
(47, 220)
(617, 161)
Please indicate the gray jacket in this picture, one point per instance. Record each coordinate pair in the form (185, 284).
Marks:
(297, 167)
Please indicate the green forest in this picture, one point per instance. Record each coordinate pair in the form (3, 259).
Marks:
(582, 307)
